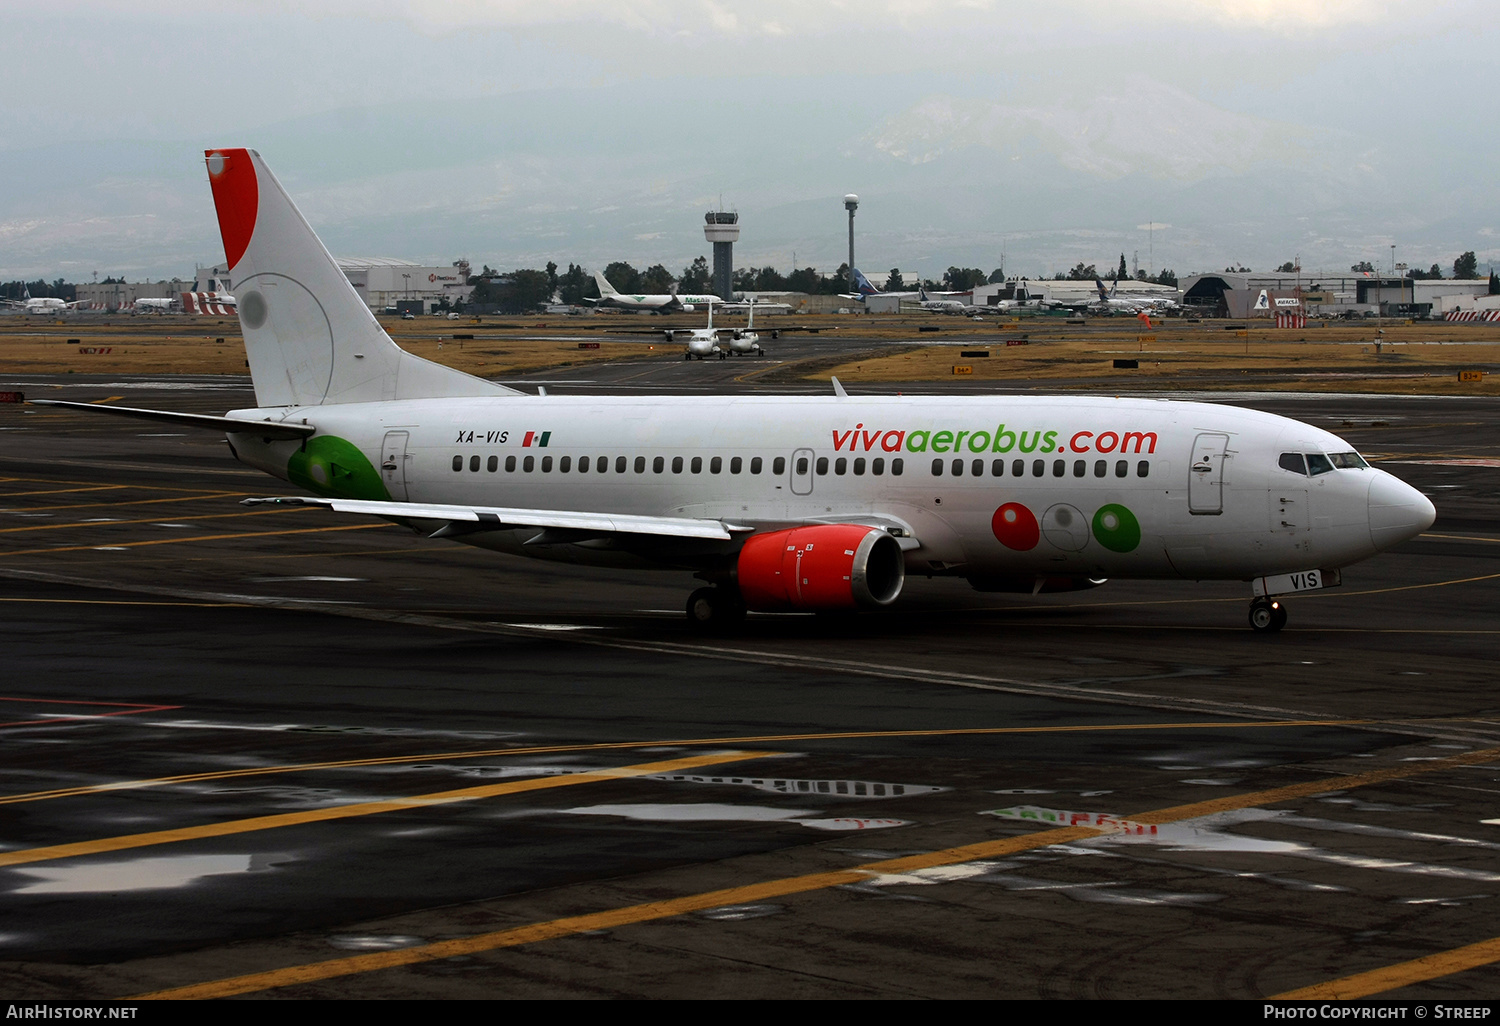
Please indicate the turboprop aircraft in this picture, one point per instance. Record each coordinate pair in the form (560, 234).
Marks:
(814, 503)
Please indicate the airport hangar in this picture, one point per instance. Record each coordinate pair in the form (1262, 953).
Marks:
(1328, 294)
(384, 283)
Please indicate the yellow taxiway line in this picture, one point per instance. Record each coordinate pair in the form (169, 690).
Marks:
(135, 502)
(759, 892)
(1403, 974)
(153, 520)
(767, 739)
(197, 538)
(125, 842)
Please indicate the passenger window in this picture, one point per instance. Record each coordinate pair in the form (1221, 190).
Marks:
(458, 463)
(676, 464)
(1080, 467)
(859, 466)
(640, 464)
(1038, 468)
(697, 465)
(528, 464)
(897, 466)
(877, 466)
(546, 464)
(1142, 469)
(492, 464)
(1018, 468)
(564, 464)
(716, 465)
(977, 468)
(1059, 467)
(1317, 464)
(778, 466)
(840, 466)
(1122, 468)
(997, 468)
(474, 463)
(822, 465)
(658, 465)
(958, 468)
(937, 468)
(1101, 467)
(1292, 461)
(510, 464)
(736, 464)
(583, 464)
(801, 465)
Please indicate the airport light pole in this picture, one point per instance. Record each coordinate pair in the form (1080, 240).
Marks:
(851, 204)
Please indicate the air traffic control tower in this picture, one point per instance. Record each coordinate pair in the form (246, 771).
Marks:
(722, 229)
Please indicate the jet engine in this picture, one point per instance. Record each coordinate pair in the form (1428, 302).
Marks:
(821, 567)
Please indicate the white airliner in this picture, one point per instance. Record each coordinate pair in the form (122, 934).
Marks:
(669, 303)
(816, 503)
(43, 305)
(947, 306)
(154, 305)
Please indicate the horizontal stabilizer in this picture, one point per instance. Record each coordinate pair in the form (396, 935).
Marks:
(498, 518)
(263, 428)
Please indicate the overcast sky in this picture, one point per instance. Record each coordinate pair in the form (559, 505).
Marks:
(1248, 132)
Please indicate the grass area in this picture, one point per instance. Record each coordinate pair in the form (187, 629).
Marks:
(1416, 358)
(1362, 356)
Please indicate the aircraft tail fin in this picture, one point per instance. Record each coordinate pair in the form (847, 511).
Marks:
(309, 337)
(862, 284)
(1100, 286)
(605, 288)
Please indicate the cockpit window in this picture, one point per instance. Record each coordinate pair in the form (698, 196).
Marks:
(1292, 461)
(1317, 464)
(1348, 461)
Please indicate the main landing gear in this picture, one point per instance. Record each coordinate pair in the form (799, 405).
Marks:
(715, 610)
(1267, 616)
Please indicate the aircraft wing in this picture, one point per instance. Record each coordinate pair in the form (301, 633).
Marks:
(567, 524)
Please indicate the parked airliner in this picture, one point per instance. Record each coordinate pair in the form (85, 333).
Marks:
(777, 502)
(668, 303)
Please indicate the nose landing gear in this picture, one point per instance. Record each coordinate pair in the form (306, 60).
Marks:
(1267, 616)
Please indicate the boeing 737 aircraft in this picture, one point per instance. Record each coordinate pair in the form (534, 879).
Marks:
(670, 303)
(815, 503)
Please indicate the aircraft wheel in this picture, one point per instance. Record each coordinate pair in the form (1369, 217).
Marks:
(714, 610)
(1267, 616)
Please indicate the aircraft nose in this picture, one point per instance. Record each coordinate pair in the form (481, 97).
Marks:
(1397, 511)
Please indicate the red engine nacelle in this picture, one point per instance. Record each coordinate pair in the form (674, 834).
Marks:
(825, 566)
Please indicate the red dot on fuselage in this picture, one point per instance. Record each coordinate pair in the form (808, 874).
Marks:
(1016, 527)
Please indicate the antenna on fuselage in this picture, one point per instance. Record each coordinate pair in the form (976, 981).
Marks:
(838, 389)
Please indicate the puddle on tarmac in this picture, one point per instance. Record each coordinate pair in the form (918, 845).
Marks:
(735, 913)
(374, 942)
(720, 813)
(1107, 892)
(1211, 834)
(138, 874)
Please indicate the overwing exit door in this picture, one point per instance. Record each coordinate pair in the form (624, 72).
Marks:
(1206, 474)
